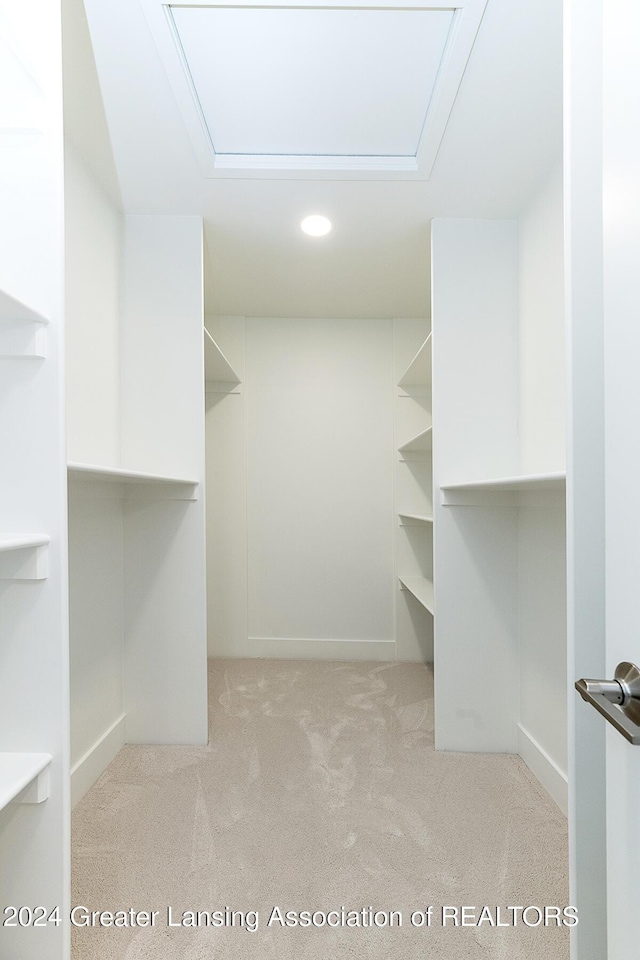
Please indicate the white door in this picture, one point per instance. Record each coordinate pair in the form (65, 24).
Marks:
(603, 242)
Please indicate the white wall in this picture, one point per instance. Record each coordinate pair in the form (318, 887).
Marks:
(300, 514)
(93, 236)
(319, 496)
(541, 323)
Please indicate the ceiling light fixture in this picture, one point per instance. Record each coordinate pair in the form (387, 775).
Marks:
(316, 225)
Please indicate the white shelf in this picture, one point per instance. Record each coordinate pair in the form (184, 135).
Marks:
(418, 373)
(97, 473)
(422, 590)
(539, 481)
(20, 770)
(23, 557)
(421, 518)
(216, 366)
(421, 443)
(9, 542)
(472, 492)
(131, 484)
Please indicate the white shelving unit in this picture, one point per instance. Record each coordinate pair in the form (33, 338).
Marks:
(413, 492)
(34, 642)
(137, 523)
(136, 603)
(500, 562)
(24, 777)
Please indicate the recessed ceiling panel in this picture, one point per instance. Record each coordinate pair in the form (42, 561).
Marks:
(312, 82)
(355, 88)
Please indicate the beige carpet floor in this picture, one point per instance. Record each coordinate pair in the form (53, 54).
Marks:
(320, 788)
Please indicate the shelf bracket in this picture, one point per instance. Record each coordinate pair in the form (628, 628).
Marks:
(37, 791)
(20, 338)
(25, 563)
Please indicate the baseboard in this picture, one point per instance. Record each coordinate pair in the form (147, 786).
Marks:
(546, 770)
(289, 648)
(86, 771)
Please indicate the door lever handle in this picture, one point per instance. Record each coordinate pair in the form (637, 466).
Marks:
(618, 700)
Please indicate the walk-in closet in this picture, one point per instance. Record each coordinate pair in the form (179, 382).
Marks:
(283, 517)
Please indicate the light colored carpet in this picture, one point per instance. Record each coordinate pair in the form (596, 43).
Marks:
(320, 788)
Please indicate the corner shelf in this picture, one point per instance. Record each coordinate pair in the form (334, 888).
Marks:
(422, 590)
(421, 443)
(473, 492)
(416, 517)
(23, 557)
(24, 776)
(418, 373)
(217, 368)
(151, 484)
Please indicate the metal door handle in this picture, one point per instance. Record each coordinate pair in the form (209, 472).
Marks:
(618, 700)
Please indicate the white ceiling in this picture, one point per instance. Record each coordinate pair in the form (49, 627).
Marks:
(503, 135)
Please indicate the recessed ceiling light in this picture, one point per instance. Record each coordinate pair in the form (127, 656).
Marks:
(316, 225)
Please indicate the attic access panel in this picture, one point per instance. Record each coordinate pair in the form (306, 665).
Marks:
(360, 88)
(276, 82)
